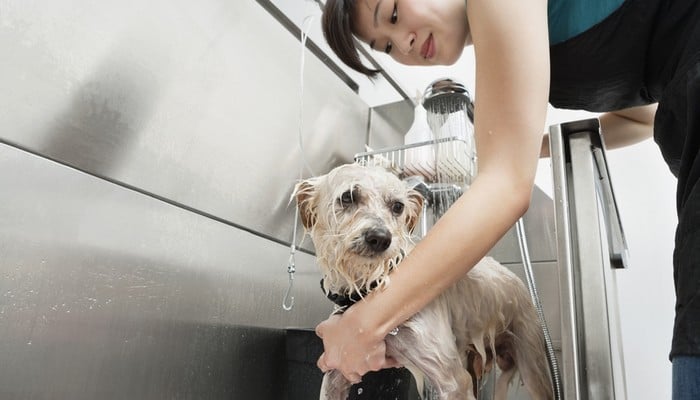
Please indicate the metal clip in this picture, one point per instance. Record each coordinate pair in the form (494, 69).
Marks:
(288, 302)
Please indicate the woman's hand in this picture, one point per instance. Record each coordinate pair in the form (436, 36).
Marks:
(350, 348)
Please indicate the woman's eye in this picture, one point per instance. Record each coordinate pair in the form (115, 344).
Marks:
(388, 48)
(346, 198)
(397, 208)
(394, 15)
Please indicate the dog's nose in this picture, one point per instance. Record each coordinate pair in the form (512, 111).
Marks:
(378, 239)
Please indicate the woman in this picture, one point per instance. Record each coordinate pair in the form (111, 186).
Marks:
(612, 56)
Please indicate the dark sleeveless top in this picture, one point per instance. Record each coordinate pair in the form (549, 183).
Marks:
(626, 60)
(567, 18)
(644, 52)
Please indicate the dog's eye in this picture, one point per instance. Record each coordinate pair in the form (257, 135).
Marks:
(346, 198)
(397, 207)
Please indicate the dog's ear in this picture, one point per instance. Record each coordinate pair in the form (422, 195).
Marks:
(304, 194)
(415, 208)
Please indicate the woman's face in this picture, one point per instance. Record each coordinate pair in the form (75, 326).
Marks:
(414, 32)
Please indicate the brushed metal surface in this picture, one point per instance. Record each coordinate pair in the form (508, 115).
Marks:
(153, 265)
(595, 305)
(107, 293)
(196, 102)
(571, 348)
(539, 229)
(389, 124)
(593, 364)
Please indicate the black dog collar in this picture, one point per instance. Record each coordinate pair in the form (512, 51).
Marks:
(344, 301)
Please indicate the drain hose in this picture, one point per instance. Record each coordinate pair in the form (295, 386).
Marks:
(530, 280)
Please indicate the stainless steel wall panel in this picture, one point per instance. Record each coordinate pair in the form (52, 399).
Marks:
(108, 293)
(93, 243)
(539, 229)
(196, 102)
(389, 124)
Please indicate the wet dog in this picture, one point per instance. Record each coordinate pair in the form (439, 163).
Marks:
(360, 220)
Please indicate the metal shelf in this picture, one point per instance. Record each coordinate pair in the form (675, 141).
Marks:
(449, 161)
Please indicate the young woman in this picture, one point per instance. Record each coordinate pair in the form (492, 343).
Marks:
(620, 57)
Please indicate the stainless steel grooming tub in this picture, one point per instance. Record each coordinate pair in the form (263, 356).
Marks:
(590, 246)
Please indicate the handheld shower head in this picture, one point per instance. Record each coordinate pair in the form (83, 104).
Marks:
(445, 96)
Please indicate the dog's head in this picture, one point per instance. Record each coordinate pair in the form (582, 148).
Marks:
(360, 220)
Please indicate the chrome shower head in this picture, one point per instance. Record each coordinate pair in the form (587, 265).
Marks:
(445, 96)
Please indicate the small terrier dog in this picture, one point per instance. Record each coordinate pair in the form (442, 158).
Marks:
(360, 220)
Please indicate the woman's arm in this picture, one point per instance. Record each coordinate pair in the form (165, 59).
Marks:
(621, 128)
(629, 126)
(512, 85)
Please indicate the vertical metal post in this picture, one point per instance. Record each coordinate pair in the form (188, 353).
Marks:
(570, 373)
(590, 242)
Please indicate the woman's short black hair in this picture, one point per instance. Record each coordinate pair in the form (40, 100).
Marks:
(337, 23)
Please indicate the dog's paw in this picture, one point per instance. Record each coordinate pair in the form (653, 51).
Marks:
(334, 386)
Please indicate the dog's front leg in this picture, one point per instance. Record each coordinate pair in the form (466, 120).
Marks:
(334, 386)
(429, 346)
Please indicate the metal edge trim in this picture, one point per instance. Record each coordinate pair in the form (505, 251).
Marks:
(570, 358)
(152, 195)
(310, 45)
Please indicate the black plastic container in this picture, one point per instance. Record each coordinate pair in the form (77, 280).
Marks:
(303, 348)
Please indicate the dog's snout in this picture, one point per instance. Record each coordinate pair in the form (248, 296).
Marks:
(378, 239)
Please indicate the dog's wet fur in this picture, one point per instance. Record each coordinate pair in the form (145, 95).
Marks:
(360, 220)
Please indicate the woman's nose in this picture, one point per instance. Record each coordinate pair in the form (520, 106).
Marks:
(406, 42)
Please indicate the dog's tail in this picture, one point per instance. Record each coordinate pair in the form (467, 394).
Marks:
(530, 355)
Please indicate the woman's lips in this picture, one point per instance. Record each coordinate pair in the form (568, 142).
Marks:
(428, 48)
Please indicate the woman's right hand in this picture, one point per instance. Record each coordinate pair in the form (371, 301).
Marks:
(350, 348)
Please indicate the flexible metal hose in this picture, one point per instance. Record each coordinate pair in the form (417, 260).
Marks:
(532, 288)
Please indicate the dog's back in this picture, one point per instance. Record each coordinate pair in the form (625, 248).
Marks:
(493, 314)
